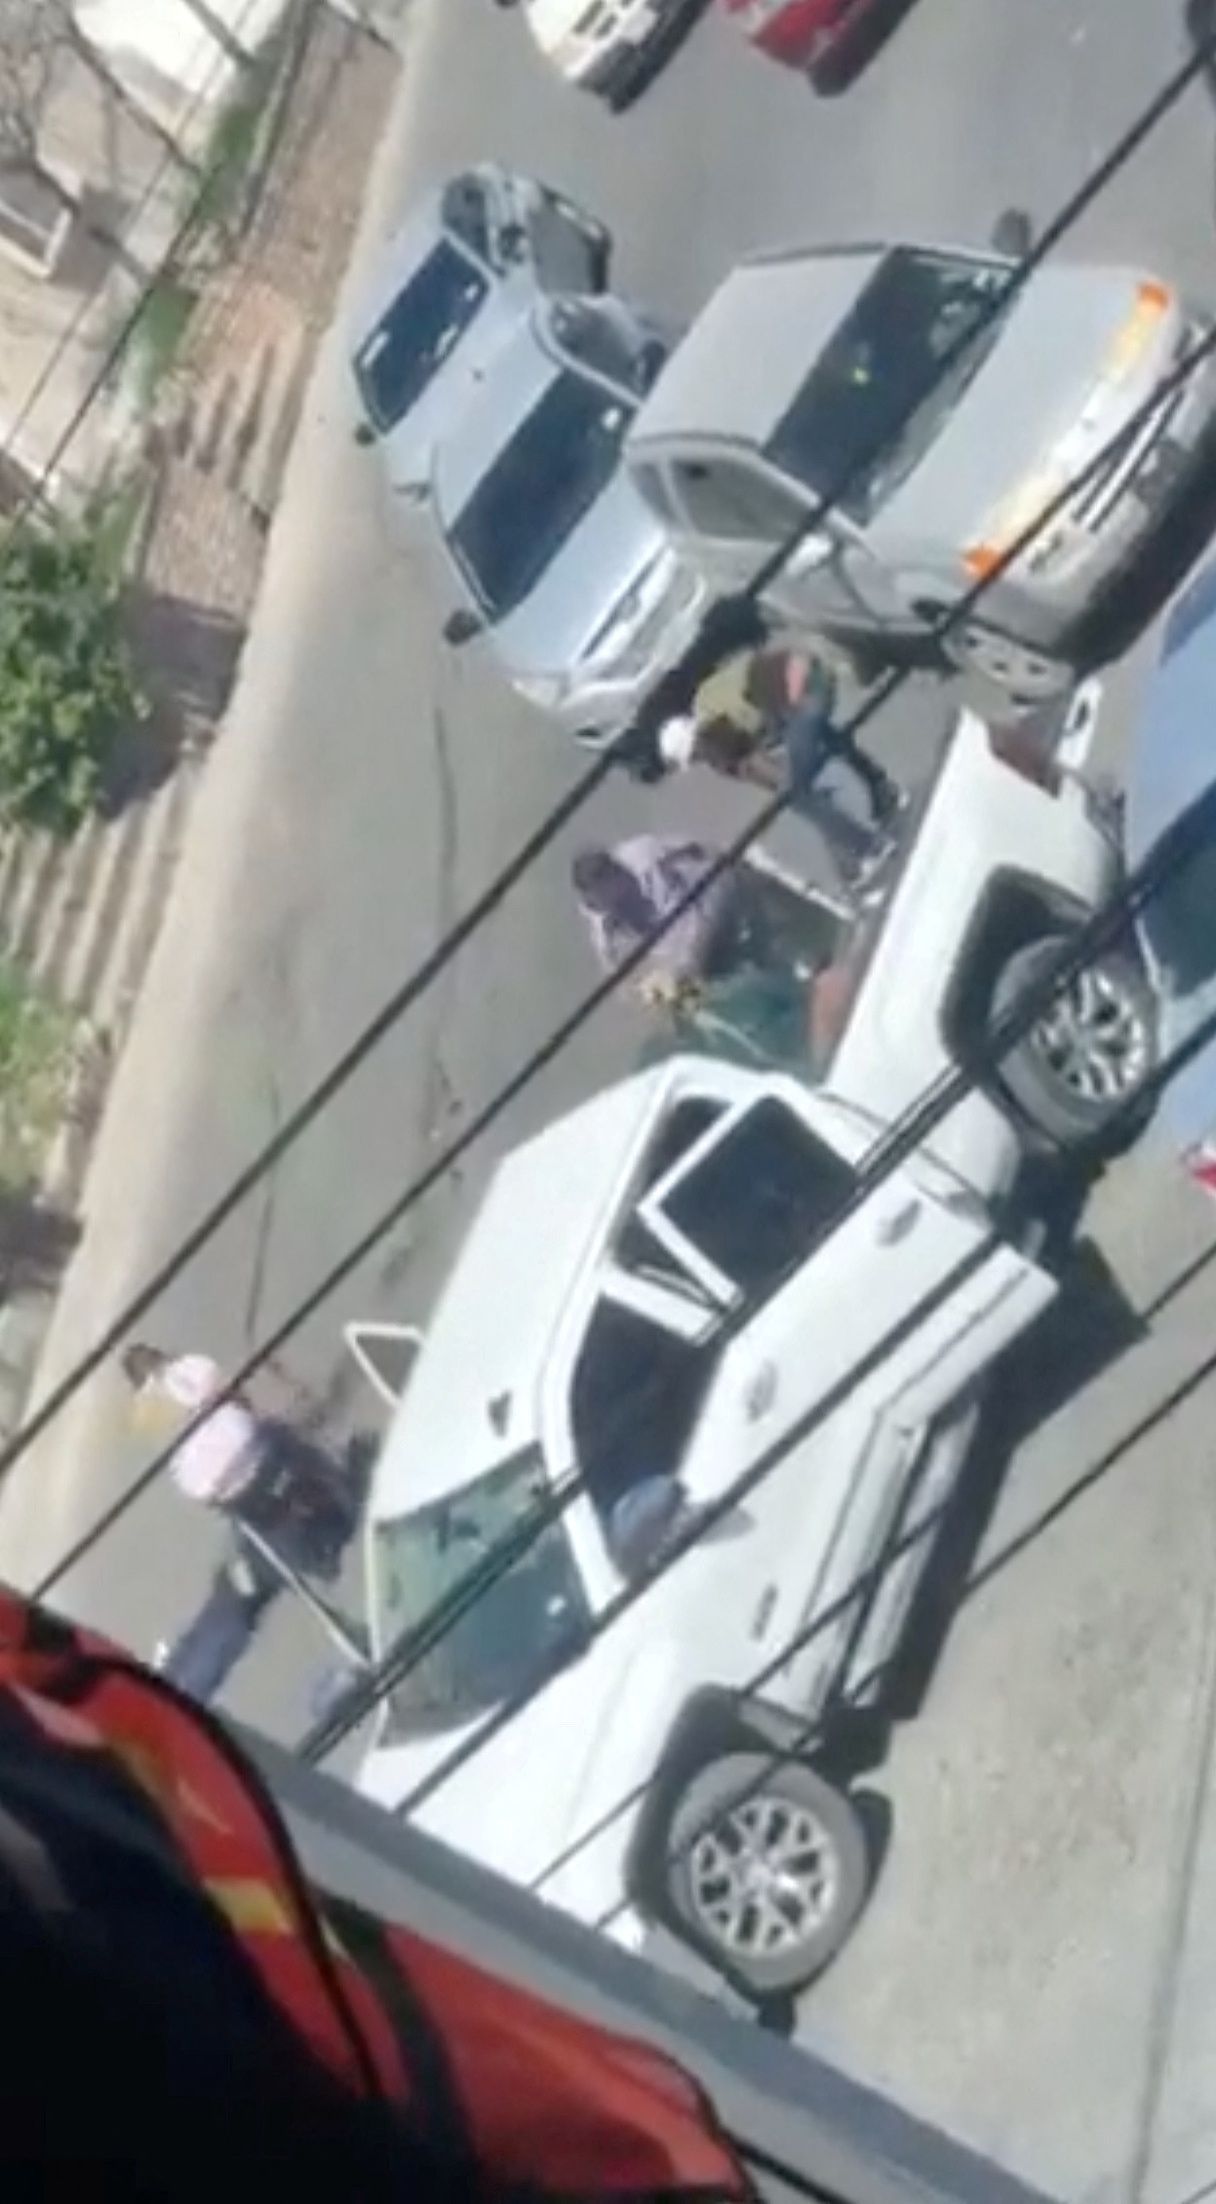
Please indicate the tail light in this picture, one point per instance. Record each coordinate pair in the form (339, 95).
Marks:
(1026, 751)
(1200, 1162)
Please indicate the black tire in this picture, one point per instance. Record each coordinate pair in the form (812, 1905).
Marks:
(701, 1835)
(1088, 1055)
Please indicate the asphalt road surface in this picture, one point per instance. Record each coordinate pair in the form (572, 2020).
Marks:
(1007, 1977)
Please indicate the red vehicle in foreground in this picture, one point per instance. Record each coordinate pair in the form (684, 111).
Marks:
(817, 36)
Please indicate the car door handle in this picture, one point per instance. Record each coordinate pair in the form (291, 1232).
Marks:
(761, 1391)
(895, 1224)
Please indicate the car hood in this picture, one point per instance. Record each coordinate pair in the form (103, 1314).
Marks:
(407, 449)
(1037, 387)
(557, 624)
(544, 1782)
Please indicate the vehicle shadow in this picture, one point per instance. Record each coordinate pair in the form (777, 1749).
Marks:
(665, 47)
(1091, 1326)
(878, 24)
(1178, 541)
(1200, 18)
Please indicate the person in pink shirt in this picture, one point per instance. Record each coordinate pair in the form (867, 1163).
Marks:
(256, 1469)
(625, 892)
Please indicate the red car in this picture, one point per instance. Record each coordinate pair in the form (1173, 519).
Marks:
(813, 35)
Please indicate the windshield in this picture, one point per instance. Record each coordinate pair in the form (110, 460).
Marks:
(871, 406)
(395, 364)
(526, 1623)
(560, 458)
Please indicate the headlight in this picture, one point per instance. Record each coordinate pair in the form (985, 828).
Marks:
(1153, 302)
(1020, 511)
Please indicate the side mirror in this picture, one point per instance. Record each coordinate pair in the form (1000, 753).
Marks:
(461, 626)
(512, 240)
(365, 434)
(1013, 233)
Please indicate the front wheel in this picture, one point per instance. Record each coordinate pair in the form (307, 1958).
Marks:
(766, 1868)
(1090, 1052)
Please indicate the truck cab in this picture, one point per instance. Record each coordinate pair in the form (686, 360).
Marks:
(651, 1301)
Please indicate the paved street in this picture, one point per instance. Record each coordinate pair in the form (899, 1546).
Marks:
(1005, 1979)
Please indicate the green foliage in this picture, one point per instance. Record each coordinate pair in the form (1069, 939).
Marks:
(67, 687)
(36, 1058)
(158, 334)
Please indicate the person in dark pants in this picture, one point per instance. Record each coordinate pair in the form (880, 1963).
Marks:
(252, 1468)
(766, 716)
(203, 1657)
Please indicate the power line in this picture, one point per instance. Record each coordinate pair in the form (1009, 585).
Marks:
(893, 1147)
(889, 1151)
(484, 906)
(325, 1736)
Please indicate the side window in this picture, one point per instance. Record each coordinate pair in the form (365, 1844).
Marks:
(634, 1397)
(680, 1129)
(466, 216)
(723, 497)
(636, 1247)
(591, 337)
(756, 1202)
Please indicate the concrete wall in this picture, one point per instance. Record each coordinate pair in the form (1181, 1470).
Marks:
(164, 51)
(57, 328)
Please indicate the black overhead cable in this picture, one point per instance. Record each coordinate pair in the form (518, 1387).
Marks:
(551, 825)
(899, 1140)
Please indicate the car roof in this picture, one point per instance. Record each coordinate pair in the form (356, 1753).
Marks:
(473, 1397)
(509, 385)
(751, 348)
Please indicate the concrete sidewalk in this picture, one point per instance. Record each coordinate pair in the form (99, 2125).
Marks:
(82, 917)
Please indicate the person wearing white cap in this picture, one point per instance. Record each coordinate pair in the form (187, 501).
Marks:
(766, 716)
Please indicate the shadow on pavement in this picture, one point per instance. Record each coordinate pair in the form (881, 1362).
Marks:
(1178, 540)
(1055, 1362)
(1201, 25)
(188, 655)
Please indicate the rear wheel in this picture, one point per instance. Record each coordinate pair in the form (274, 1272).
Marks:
(766, 1869)
(1089, 1053)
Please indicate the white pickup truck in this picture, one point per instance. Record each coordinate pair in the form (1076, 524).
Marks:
(646, 1298)
(1003, 856)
